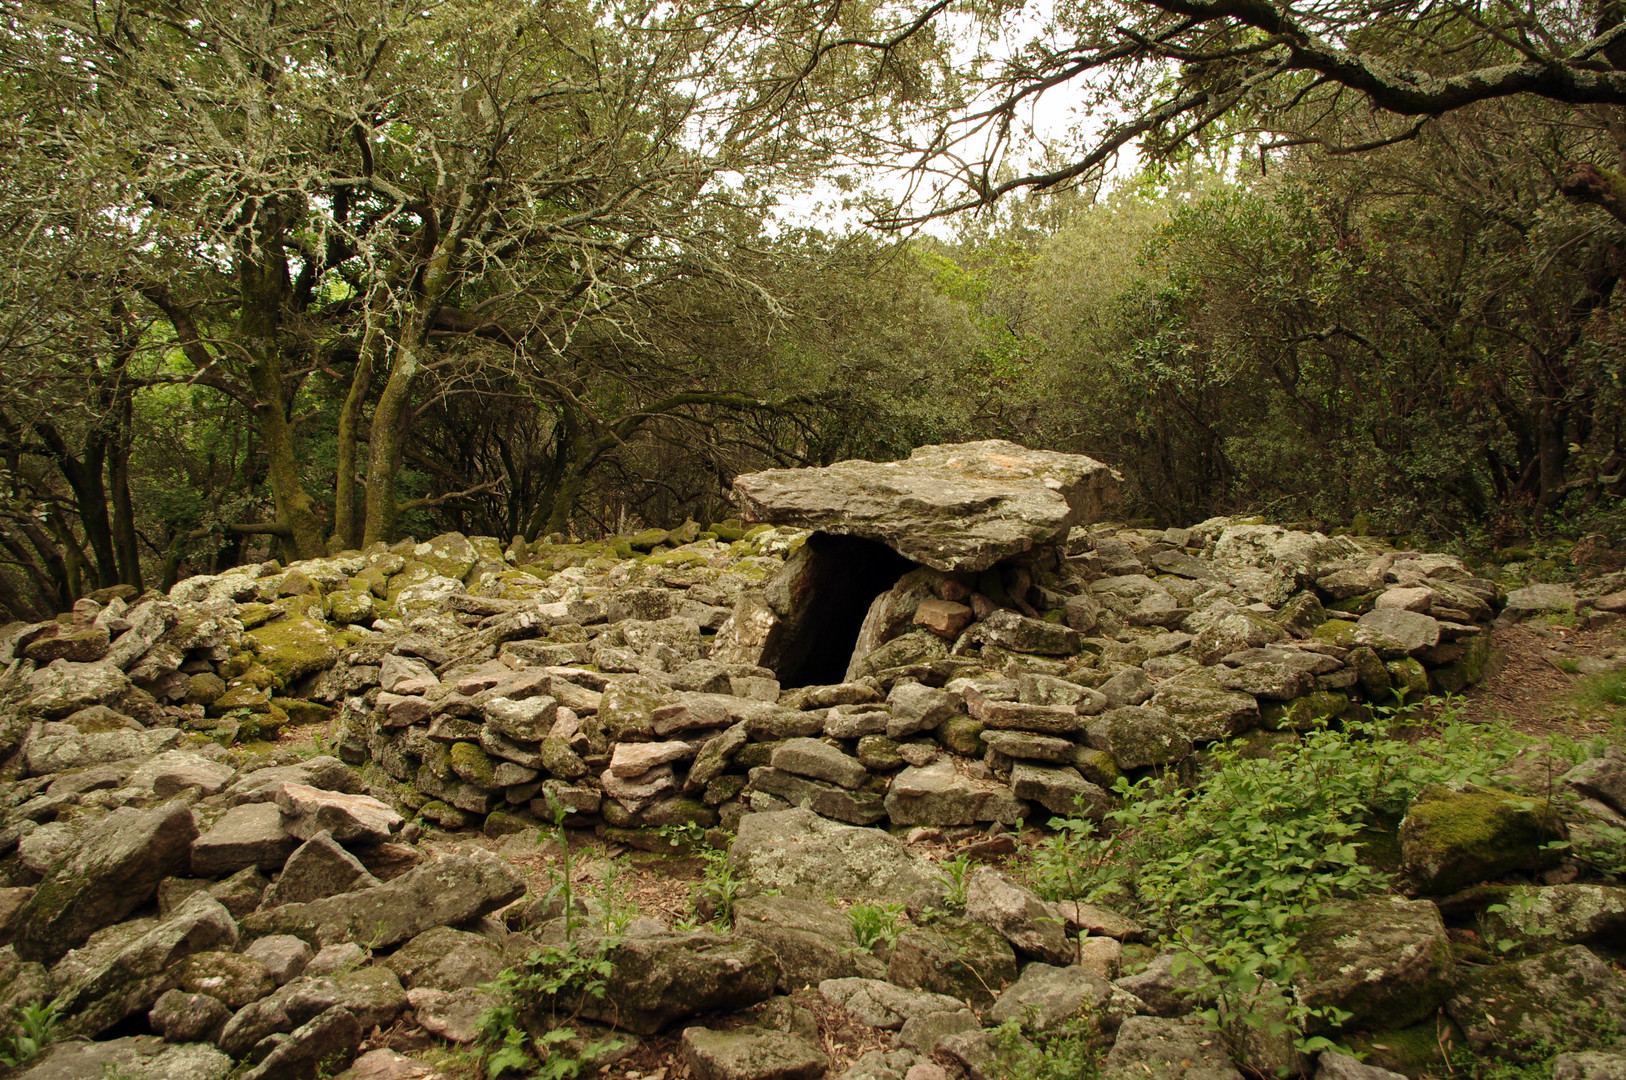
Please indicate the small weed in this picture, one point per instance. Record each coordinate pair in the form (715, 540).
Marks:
(875, 924)
(37, 1026)
(955, 874)
(1603, 691)
(1072, 1050)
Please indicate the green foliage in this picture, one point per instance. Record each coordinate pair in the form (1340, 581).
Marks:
(1232, 868)
(955, 874)
(556, 981)
(36, 1026)
(1072, 1050)
(875, 924)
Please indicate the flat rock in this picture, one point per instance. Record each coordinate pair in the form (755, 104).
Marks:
(961, 506)
(1155, 1048)
(454, 1015)
(939, 794)
(806, 857)
(959, 958)
(751, 1054)
(1589, 1065)
(251, 834)
(1395, 632)
(444, 891)
(135, 1057)
(446, 959)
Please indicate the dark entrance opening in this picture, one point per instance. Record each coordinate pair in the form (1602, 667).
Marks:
(832, 582)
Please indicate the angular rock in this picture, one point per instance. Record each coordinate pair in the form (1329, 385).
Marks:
(1137, 737)
(1204, 711)
(916, 708)
(250, 834)
(1395, 632)
(444, 891)
(318, 868)
(954, 507)
(634, 759)
(922, 1034)
(1589, 1065)
(349, 819)
(446, 959)
(824, 799)
(1154, 1048)
(1020, 634)
(1030, 924)
(1385, 961)
(883, 1005)
(806, 857)
(328, 1041)
(812, 941)
(283, 955)
(958, 958)
(939, 794)
(1332, 1065)
(1047, 996)
(454, 1015)
(182, 1017)
(751, 1054)
(1565, 914)
(819, 760)
(115, 869)
(372, 994)
(1062, 791)
(662, 978)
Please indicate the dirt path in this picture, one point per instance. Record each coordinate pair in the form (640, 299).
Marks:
(1532, 688)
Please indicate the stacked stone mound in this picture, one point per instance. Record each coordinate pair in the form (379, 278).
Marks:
(635, 683)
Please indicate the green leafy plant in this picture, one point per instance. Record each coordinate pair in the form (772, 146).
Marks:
(875, 924)
(1071, 1050)
(1233, 867)
(955, 874)
(719, 887)
(37, 1026)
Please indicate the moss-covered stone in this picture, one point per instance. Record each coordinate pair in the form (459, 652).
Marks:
(256, 614)
(560, 760)
(727, 531)
(1453, 839)
(204, 688)
(303, 712)
(723, 788)
(445, 814)
(351, 606)
(1455, 677)
(1370, 673)
(626, 711)
(753, 754)
(678, 812)
(1336, 632)
(474, 765)
(879, 753)
(242, 697)
(294, 647)
(647, 540)
(1098, 767)
(1409, 677)
(1418, 1051)
(961, 735)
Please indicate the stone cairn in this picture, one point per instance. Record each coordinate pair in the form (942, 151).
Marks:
(950, 641)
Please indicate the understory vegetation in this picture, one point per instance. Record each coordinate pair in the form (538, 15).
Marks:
(1228, 866)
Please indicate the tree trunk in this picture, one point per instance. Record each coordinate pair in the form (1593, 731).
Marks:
(387, 440)
(124, 533)
(349, 518)
(263, 288)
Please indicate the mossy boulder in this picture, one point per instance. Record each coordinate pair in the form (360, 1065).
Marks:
(961, 735)
(1452, 839)
(1455, 677)
(626, 711)
(916, 647)
(1385, 961)
(241, 697)
(300, 711)
(294, 647)
(1417, 1051)
(1408, 677)
(474, 765)
(1521, 1011)
(1579, 913)
(351, 606)
(1339, 632)
(647, 540)
(449, 555)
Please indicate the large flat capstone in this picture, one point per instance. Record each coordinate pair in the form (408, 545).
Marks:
(959, 506)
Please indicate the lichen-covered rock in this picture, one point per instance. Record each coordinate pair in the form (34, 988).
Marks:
(1020, 634)
(1451, 839)
(1385, 960)
(1047, 996)
(1566, 997)
(751, 1054)
(1204, 711)
(447, 890)
(1061, 790)
(1138, 736)
(955, 957)
(812, 941)
(1567, 914)
(805, 857)
(939, 794)
(883, 1005)
(447, 959)
(957, 507)
(115, 869)
(825, 799)
(1030, 924)
(1155, 1048)
(294, 647)
(249, 834)
(659, 979)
